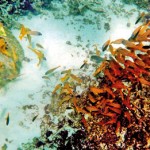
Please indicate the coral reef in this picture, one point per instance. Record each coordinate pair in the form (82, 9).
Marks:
(11, 10)
(139, 3)
(11, 56)
(113, 111)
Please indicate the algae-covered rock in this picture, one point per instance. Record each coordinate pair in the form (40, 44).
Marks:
(11, 56)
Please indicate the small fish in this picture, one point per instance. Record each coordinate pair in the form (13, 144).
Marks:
(110, 76)
(76, 78)
(29, 38)
(97, 51)
(118, 41)
(106, 44)
(39, 54)
(91, 98)
(51, 70)
(34, 33)
(68, 88)
(26, 31)
(115, 105)
(7, 119)
(46, 77)
(96, 90)
(33, 119)
(112, 50)
(66, 71)
(66, 98)
(118, 127)
(116, 110)
(135, 33)
(57, 87)
(65, 78)
(96, 58)
(84, 63)
(92, 108)
(100, 68)
(39, 45)
(23, 32)
(140, 17)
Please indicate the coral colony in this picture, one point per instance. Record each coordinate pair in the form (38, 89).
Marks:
(113, 112)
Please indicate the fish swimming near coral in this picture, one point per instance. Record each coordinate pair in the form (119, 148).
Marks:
(34, 118)
(96, 58)
(26, 31)
(51, 70)
(140, 17)
(7, 119)
(39, 54)
(105, 45)
(39, 45)
(135, 33)
(84, 64)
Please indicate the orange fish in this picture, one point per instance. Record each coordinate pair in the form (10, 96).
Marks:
(100, 68)
(118, 41)
(67, 86)
(96, 90)
(39, 54)
(57, 87)
(76, 78)
(97, 51)
(115, 105)
(91, 98)
(119, 85)
(115, 67)
(118, 127)
(109, 75)
(120, 58)
(92, 108)
(23, 32)
(135, 33)
(109, 91)
(143, 81)
(112, 50)
(106, 44)
(126, 52)
(140, 17)
(116, 110)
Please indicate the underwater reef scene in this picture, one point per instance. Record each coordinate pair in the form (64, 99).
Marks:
(74, 75)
